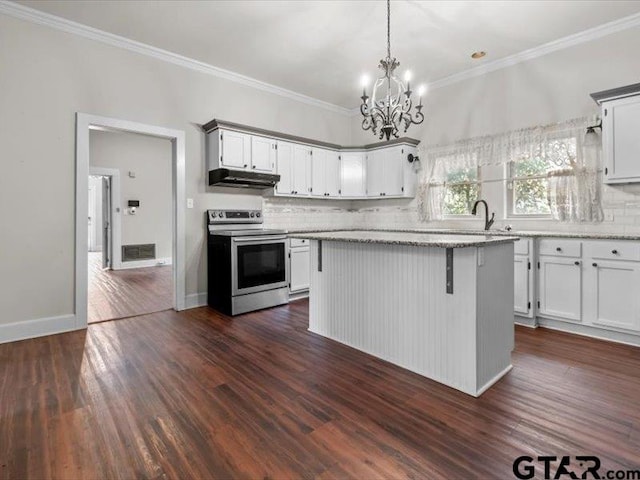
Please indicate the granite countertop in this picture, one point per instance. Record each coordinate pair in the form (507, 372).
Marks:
(493, 233)
(417, 239)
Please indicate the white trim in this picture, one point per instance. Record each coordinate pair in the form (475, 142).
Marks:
(39, 327)
(490, 383)
(85, 122)
(589, 331)
(588, 35)
(153, 262)
(195, 300)
(116, 213)
(36, 16)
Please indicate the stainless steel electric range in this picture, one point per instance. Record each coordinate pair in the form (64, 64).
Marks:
(247, 264)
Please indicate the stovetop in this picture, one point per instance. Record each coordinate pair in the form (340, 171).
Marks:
(247, 233)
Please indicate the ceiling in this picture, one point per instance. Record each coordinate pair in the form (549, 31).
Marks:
(322, 48)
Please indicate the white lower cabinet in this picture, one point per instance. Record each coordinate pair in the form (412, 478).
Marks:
(560, 288)
(612, 289)
(299, 265)
(521, 298)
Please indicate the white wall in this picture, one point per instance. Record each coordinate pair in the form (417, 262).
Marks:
(47, 76)
(149, 158)
(545, 90)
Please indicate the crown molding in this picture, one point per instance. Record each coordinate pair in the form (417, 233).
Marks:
(585, 36)
(589, 35)
(36, 16)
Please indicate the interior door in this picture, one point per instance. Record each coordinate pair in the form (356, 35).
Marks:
(91, 204)
(106, 222)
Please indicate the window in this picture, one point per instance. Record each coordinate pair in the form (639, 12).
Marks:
(528, 185)
(462, 189)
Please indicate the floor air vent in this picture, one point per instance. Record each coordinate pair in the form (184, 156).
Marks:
(138, 252)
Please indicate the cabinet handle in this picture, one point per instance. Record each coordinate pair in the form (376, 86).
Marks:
(615, 252)
(594, 264)
(245, 165)
(577, 262)
(606, 171)
(253, 166)
(558, 249)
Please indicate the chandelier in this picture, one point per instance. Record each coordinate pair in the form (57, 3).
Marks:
(390, 106)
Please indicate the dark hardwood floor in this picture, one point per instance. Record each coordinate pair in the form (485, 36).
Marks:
(199, 395)
(125, 293)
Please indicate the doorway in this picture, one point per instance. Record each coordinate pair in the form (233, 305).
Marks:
(106, 211)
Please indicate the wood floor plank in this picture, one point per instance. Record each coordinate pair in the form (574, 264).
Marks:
(200, 395)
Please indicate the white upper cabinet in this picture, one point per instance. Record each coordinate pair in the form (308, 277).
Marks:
(235, 149)
(325, 173)
(352, 174)
(395, 172)
(377, 162)
(263, 154)
(301, 170)
(284, 168)
(621, 140)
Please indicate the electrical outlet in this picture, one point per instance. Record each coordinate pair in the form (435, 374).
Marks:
(189, 202)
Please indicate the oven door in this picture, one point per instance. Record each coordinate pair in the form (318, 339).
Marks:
(259, 263)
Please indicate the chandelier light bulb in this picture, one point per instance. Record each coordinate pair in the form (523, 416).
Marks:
(422, 89)
(407, 76)
(364, 80)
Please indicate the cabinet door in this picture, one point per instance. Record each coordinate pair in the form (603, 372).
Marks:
(394, 172)
(318, 169)
(262, 154)
(614, 294)
(352, 174)
(299, 278)
(561, 288)
(301, 169)
(376, 167)
(236, 150)
(284, 168)
(332, 174)
(621, 140)
(521, 299)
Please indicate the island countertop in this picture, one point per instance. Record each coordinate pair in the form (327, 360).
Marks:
(441, 240)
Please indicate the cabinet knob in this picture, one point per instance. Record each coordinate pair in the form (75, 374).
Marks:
(577, 262)
(594, 264)
(558, 249)
(245, 165)
(615, 252)
(253, 166)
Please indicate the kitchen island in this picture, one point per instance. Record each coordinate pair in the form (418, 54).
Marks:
(438, 305)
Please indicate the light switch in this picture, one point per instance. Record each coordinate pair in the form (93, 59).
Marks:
(189, 202)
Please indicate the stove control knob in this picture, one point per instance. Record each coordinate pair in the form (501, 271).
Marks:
(252, 214)
(221, 214)
(258, 214)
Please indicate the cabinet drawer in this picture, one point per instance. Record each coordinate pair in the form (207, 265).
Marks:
(560, 248)
(521, 247)
(613, 250)
(298, 242)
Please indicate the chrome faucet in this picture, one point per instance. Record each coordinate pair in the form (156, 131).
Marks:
(487, 221)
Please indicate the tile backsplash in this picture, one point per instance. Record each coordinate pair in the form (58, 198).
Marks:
(621, 205)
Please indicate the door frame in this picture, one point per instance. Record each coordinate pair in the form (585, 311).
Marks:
(116, 212)
(86, 122)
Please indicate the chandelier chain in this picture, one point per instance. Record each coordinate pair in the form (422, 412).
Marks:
(388, 28)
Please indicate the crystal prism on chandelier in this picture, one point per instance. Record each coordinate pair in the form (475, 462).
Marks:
(387, 115)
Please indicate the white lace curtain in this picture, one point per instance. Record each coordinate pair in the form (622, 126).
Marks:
(574, 193)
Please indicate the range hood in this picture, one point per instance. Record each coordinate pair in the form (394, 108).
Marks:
(223, 177)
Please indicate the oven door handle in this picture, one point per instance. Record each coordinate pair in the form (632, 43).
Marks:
(260, 239)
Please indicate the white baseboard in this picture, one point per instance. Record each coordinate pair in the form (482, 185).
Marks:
(39, 327)
(490, 383)
(195, 300)
(298, 295)
(154, 262)
(525, 321)
(588, 331)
